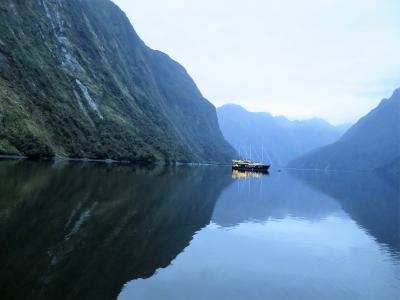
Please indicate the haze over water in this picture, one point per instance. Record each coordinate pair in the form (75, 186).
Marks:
(195, 233)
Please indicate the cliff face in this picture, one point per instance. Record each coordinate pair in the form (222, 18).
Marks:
(373, 142)
(76, 80)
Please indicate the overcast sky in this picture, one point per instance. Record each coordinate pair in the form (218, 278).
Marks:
(334, 59)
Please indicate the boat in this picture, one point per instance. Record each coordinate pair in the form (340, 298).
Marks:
(247, 165)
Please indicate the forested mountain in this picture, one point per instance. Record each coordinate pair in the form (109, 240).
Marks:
(77, 81)
(372, 143)
(273, 139)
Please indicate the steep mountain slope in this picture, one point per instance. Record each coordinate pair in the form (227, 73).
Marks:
(76, 80)
(373, 142)
(278, 138)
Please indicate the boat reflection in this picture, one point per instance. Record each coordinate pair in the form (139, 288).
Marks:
(239, 174)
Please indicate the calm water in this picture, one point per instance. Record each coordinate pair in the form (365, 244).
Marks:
(95, 231)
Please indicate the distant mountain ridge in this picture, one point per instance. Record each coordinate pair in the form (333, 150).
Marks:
(273, 139)
(77, 81)
(372, 143)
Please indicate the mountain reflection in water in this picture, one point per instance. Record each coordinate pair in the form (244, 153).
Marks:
(286, 236)
(97, 231)
(371, 200)
(80, 231)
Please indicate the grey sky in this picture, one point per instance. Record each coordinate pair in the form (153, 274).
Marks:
(328, 58)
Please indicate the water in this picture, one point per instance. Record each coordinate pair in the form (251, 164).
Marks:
(97, 231)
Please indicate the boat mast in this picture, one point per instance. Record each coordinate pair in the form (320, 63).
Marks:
(262, 153)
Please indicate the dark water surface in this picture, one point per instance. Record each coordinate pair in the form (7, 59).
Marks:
(97, 231)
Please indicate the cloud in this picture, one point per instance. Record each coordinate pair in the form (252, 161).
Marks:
(330, 58)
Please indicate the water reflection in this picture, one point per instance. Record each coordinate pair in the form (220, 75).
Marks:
(239, 174)
(371, 200)
(83, 231)
(279, 237)
(272, 197)
(80, 231)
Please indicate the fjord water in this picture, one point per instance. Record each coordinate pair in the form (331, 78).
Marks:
(98, 231)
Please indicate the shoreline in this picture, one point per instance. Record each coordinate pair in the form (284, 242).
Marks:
(109, 161)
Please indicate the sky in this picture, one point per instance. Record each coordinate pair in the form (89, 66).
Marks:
(334, 59)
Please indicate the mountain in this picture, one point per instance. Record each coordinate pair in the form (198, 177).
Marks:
(77, 81)
(373, 142)
(273, 139)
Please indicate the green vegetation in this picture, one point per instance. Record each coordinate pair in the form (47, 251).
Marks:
(76, 80)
